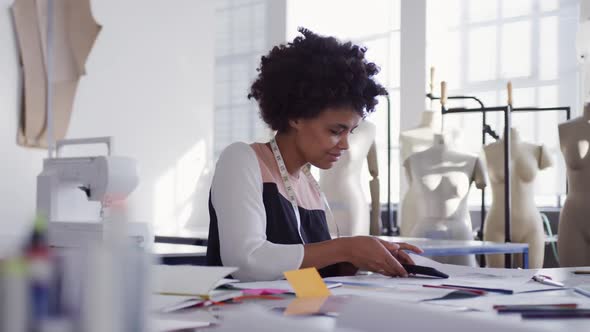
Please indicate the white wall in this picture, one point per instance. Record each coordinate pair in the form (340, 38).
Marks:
(412, 62)
(412, 71)
(148, 84)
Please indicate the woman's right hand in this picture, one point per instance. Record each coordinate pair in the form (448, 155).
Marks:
(372, 254)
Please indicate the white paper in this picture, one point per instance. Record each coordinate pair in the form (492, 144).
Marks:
(162, 302)
(379, 280)
(509, 279)
(276, 284)
(486, 303)
(188, 279)
(225, 281)
(513, 276)
(403, 293)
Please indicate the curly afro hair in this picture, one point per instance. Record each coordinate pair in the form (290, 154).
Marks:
(310, 74)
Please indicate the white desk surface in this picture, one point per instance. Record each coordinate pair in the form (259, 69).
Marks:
(166, 250)
(201, 234)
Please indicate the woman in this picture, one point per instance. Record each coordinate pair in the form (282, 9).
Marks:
(267, 212)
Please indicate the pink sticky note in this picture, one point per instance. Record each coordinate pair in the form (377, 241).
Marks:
(264, 291)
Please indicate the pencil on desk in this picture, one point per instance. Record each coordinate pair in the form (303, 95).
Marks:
(472, 291)
(528, 306)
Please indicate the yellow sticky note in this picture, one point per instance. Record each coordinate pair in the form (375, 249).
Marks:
(307, 283)
(305, 306)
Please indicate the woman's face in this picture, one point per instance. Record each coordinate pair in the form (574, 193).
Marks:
(322, 139)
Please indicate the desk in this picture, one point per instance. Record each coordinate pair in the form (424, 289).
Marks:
(179, 254)
(458, 247)
(183, 236)
(386, 318)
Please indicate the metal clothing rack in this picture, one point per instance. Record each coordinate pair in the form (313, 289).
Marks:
(507, 166)
(486, 129)
(391, 224)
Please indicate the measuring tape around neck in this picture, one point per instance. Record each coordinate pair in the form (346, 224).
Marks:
(291, 190)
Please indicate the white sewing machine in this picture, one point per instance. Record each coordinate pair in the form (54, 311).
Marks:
(72, 193)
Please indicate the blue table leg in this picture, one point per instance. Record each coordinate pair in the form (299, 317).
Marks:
(525, 258)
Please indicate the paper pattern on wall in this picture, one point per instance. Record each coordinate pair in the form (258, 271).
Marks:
(74, 31)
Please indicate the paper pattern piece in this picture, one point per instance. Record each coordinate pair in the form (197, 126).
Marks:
(305, 306)
(74, 32)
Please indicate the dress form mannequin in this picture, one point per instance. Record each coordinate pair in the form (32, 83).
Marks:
(73, 34)
(342, 187)
(412, 141)
(574, 234)
(442, 178)
(526, 223)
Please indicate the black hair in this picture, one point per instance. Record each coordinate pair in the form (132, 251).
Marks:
(312, 73)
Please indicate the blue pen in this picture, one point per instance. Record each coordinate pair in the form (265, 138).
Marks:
(582, 290)
(557, 314)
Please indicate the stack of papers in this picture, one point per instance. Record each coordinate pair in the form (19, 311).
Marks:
(188, 285)
(509, 280)
(190, 279)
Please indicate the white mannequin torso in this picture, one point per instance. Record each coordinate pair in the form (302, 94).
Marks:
(526, 223)
(442, 178)
(412, 141)
(574, 233)
(342, 184)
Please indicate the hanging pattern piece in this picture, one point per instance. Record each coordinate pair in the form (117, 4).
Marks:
(54, 38)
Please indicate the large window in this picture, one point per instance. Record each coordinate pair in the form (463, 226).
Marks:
(241, 38)
(478, 46)
(376, 25)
